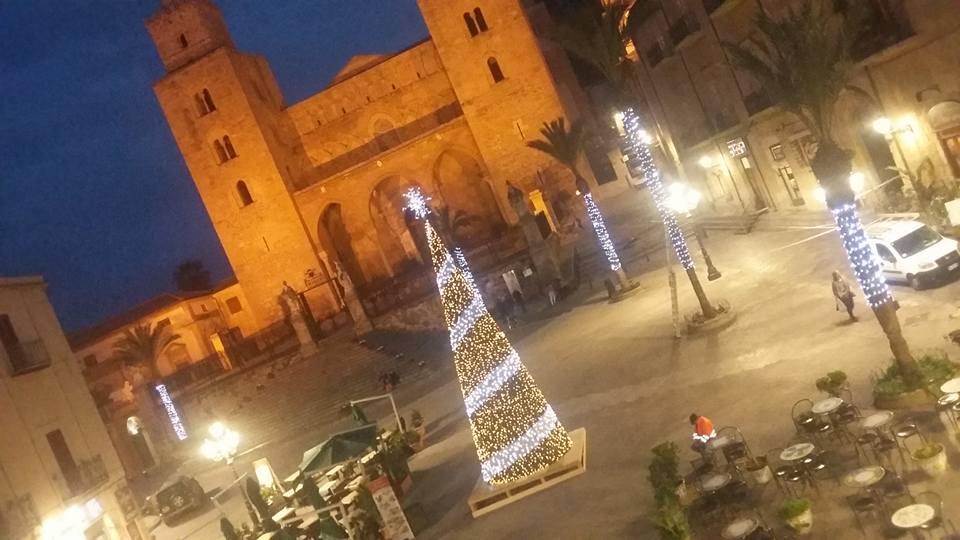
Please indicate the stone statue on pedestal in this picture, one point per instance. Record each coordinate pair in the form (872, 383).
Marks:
(361, 323)
(290, 300)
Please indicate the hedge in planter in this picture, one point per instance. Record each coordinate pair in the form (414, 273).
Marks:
(935, 366)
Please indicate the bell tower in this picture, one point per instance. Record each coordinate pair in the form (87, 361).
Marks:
(226, 113)
(498, 69)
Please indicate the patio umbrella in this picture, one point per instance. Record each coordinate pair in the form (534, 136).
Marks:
(339, 448)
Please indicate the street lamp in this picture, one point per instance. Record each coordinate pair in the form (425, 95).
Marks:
(889, 130)
(222, 445)
(683, 199)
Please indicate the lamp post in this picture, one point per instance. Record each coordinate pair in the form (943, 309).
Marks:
(683, 199)
(222, 445)
(884, 126)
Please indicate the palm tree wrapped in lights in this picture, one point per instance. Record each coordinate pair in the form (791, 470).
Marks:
(515, 430)
(802, 60)
(566, 146)
(601, 42)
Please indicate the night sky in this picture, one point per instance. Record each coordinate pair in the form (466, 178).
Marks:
(94, 194)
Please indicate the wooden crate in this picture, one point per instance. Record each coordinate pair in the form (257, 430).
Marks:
(486, 498)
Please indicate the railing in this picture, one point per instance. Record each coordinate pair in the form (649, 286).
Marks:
(28, 356)
(683, 27)
(382, 143)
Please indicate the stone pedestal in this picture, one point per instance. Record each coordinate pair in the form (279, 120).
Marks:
(361, 322)
(307, 345)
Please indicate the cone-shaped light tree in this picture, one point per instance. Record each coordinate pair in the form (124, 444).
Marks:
(802, 60)
(600, 40)
(566, 146)
(515, 430)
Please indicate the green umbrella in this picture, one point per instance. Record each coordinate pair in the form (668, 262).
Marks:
(339, 447)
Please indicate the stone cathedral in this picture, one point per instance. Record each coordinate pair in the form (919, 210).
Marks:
(296, 190)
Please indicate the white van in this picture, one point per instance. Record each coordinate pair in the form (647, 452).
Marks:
(911, 252)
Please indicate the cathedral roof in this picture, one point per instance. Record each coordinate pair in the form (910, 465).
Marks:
(359, 63)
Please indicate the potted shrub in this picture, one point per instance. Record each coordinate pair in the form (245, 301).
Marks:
(932, 458)
(797, 514)
(890, 391)
(832, 383)
(671, 522)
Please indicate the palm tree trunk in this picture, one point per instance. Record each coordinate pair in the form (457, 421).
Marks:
(706, 308)
(887, 317)
(600, 228)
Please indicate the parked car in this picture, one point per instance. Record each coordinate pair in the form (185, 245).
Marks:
(911, 252)
(179, 497)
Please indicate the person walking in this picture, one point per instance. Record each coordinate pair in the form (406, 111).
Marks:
(843, 294)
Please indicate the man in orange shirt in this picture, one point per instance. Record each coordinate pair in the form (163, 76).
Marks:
(702, 432)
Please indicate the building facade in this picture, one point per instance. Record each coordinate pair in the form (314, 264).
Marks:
(296, 190)
(60, 476)
(748, 155)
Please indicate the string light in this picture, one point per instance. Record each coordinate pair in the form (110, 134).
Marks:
(638, 145)
(864, 261)
(599, 227)
(515, 430)
(172, 412)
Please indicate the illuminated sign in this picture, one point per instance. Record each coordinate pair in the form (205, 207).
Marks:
(737, 147)
(171, 412)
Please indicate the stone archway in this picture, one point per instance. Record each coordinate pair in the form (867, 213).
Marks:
(335, 240)
(387, 203)
(462, 184)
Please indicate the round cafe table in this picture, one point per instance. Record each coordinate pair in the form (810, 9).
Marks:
(797, 451)
(877, 420)
(717, 443)
(951, 387)
(826, 406)
(912, 516)
(864, 477)
(740, 528)
(715, 481)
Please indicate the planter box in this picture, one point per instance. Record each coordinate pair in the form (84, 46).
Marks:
(933, 466)
(910, 400)
(802, 524)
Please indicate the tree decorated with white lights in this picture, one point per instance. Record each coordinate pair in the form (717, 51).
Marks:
(566, 146)
(515, 430)
(802, 60)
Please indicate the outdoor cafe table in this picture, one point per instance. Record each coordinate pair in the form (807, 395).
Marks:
(740, 528)
(864, 477)
(912, 516)
(877, 420)
(715, 481)
(951, 387)
(826, 406)
(717, 443)
(797, 451)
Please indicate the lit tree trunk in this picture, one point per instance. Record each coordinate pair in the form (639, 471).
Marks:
(832, 167)
(639, 148)
(600, 228)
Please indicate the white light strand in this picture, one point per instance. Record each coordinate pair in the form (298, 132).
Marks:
(599, 227)
(864, 261)
(172, 412)
(492, 383)
(468, 317)
(506, 457)
(446, 272)
(462, 263)
(417, 202)
(638, 147)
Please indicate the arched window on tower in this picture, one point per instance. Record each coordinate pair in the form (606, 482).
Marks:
(183, 41)
(495, 70)
(471, 26)
(243, 193)
(221, 153)
(231, 153)
(201, 106)
(481, 22)
(208, 101)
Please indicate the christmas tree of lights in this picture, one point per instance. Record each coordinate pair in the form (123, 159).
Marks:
(864, 261)
(515, 430)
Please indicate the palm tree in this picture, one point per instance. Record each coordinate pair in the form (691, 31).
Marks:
(802, 60)
(192, 276)
(143, 345)
(601, 42)
(566, 146)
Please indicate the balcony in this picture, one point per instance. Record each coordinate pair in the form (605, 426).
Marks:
(382, 143)
(757, 102)
(683, 28)
(28, 356)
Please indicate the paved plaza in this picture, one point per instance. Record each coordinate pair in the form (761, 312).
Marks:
(615, 370)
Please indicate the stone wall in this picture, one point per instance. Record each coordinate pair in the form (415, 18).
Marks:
(424, 315)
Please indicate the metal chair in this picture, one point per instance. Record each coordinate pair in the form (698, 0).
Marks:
(892, 486)
(945, 404)
(736, 451)
(934, 499)
(864, 444)
(865, 503)
(781, 471)
(905, 431)
(802, 414)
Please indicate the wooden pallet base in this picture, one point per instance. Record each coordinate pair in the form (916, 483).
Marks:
(486, 498)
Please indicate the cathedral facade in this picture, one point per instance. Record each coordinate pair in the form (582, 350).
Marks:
(296, 190)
